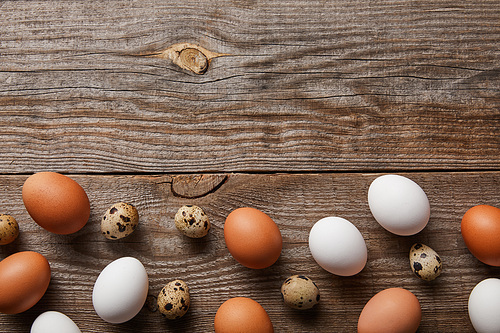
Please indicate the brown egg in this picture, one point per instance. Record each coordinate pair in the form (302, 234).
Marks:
(56, 202)
(24, 278)
(242, 315)
(252, 238)
(480, 229)
(393, 310)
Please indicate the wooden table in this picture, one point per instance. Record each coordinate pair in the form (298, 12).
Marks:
(303, 105)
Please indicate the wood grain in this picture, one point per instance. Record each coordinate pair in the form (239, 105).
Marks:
(295, 202)
(309, 86)
(313, 100)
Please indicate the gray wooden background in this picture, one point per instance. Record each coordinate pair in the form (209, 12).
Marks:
(311, 101)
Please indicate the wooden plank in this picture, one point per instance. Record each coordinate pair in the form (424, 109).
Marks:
(295, 202)
(309, 86)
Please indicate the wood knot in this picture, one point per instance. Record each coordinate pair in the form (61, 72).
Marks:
(194, 60)
(188, 56)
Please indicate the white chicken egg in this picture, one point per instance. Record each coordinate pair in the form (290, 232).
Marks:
(484, 306)
(338, 246)
(121, 290)
(399, 204)
(54, 322)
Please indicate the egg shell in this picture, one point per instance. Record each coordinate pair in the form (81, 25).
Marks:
(54, 322)
(393, 310)
(338, 246)
(56, 202)
(484, 306)
(174, 300)
(24, 279)
(242, 315)
(192, 221)
(120, 290)
(9, 229)
(425, 262)
(399, 204)
(480, 230)
(300, 292)
(252, 238)
(119, 221)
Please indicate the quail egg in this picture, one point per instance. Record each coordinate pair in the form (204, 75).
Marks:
(119, 221)
(173, 299)
(192, 221)
(300, 292)
(425, 262)
(9, 229)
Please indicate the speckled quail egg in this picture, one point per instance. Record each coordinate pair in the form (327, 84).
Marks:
(9, 229)
(300, 292)
(192, 221)
(425, 262)
(119, 221)
(173, 300)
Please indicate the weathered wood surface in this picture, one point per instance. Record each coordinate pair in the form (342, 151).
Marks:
(312, 101)
(308, 86)
(295, 202)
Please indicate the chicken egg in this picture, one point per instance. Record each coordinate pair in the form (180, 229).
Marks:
(242, 315)
(252, 238)
(54, 322)
(56, 202)
(338, 246)
(391, 310)
(480, 230)
(24, 279)
(120, 291)
(399, 204)
(484, 306)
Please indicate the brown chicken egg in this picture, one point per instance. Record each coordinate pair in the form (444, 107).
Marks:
(480, 229)
(393, 310)
(24, 278)
(243, 315)
(56, 202)
(252, 238)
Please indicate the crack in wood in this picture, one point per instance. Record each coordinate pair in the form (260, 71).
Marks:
(196, 186)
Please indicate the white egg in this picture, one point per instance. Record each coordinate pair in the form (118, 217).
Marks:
(484, 306)
(338, 246)
(54, 322)
(399, 204)
(121, 290)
